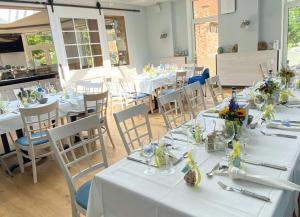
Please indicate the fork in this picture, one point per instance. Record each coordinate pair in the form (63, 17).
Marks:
(244, 192)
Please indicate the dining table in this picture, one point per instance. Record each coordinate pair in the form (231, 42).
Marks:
(11, 119)
(148, 83)
(124, 190)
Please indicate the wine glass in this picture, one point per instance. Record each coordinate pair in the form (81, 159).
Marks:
(245, 138)
(148, 152)
(228, 134)
(259, 101)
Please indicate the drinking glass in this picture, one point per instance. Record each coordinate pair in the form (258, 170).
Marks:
(259, 101)
(244, 139)
(148, 152)
(228, 134)
(168, 168)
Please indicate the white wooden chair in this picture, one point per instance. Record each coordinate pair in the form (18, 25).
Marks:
(215, 89)
(180, 81)
(117, 94)
(195, 98)
(171, 107)
(134, 127)
(35, 144)
(198, 70)
(264, 69)
(95, 104)
(77, 161)
(133, 97)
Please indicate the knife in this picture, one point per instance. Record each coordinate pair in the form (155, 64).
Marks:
(140, 161)
(263, 164)
(285, 136)
(210, 116)
(180, 159)
(292, 122)
(175, 139)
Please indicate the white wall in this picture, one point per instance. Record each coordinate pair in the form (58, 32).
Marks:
(265, 17)
(180, 25)
(158, 22)
(14, 59)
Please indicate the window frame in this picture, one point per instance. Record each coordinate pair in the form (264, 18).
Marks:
(80, 57)
(127, 56)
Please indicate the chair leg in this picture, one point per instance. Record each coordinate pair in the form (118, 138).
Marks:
(150, 104)
(108, 133)
(75, 212)
(20, 158)
(5, 167)
(33, 164)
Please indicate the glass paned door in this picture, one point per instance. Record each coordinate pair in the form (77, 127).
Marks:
(293, 37)
(206, 45)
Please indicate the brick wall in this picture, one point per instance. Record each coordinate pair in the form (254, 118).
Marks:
(206, 34)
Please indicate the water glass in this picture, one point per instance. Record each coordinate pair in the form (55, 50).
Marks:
(228, 134)
(148, 152)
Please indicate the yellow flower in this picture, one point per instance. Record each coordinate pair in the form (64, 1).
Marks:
(241, 112)
(224, 112)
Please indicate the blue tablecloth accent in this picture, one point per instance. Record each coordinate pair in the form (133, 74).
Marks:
(200, 78)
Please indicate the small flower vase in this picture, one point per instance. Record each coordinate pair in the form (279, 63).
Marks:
(197, 134)
(210, 142)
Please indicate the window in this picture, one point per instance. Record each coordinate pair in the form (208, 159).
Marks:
(40, 49)
(117, 41)
(82, 43)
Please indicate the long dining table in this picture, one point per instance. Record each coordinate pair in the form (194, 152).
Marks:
(123, 190)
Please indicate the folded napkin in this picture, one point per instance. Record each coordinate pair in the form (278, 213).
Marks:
(236, 173)
(280, 126)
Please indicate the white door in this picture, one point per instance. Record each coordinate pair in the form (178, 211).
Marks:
(80, 41)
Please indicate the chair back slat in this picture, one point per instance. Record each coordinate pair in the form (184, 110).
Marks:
(171, 106)
(78, 160)
(134, 126)
(195, 98)
(180, 79)
(96, 104)
(215, 89)
(38, 120)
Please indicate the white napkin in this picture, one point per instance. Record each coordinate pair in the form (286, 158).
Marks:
(280, 126)
(236, 173)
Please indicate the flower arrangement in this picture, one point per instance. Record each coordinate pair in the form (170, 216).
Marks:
(286, 75)
(233, 112)
(149, 69)
(235, 156)
(268, 88)
(192, 173)
(284, 96)
(268, 112)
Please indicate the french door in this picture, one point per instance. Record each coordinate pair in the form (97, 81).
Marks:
(80, 42)
(291, 47)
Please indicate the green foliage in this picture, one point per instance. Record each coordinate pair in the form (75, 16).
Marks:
(294, 27)
(39, 38)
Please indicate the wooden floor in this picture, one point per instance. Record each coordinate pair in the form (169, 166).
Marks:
(19, 197)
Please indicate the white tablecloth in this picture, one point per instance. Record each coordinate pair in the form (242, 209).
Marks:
(147, 84)
(12, 120)
(123, 190)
